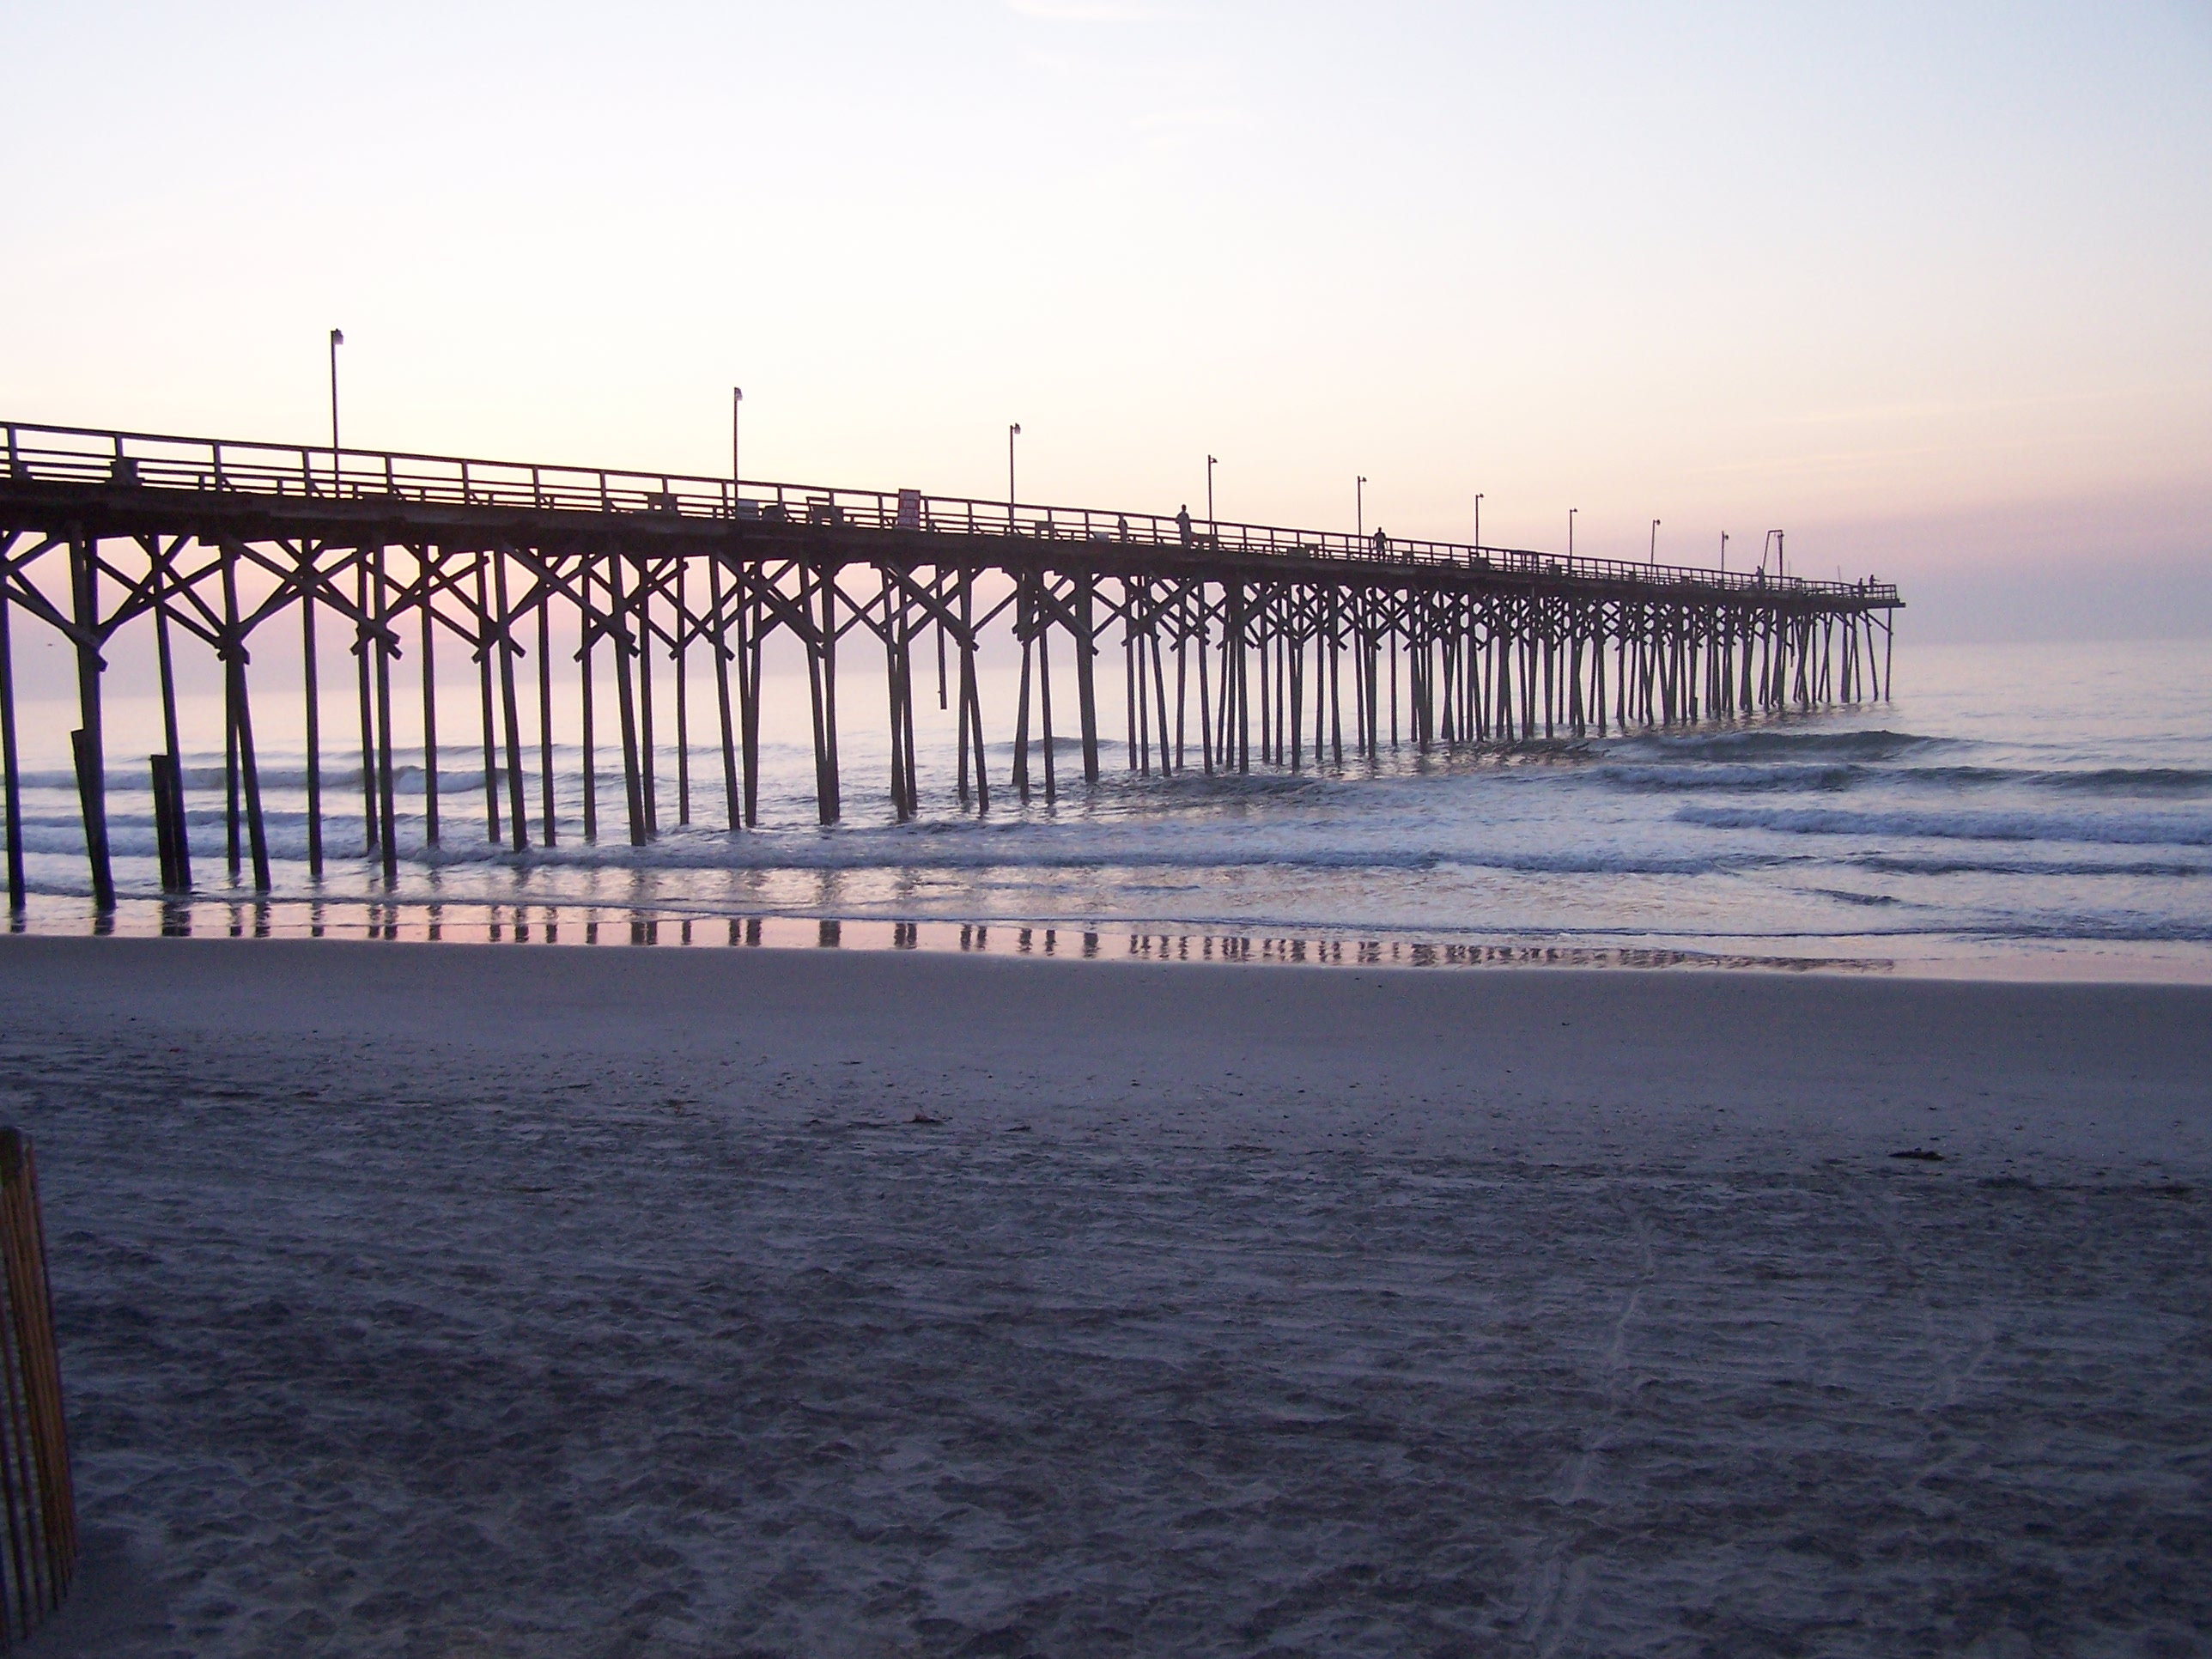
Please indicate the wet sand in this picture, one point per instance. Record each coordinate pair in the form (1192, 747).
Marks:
(488, 1300)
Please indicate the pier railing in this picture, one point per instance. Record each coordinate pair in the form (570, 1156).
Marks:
(81, 455)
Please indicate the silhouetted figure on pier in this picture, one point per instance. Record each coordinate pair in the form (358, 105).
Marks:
(1381, 544)
(1183, 522)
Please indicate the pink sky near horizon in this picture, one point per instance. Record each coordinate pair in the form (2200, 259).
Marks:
(1928, 290)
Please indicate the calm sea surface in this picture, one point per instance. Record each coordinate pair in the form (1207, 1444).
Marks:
(2017, 809)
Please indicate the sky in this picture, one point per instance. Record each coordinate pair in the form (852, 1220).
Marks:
(1925, 286)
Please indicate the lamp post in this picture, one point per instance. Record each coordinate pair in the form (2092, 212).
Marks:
(1654, 543)
(337, 339)
(736, 401)
(1724, 552)
(1213, 529)
(1359, 507)
(1570, 532)
(1013, 431)
(1478, 520)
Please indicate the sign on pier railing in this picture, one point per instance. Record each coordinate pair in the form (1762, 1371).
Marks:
(154, 461)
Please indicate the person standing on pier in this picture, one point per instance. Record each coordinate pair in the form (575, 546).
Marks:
(1381, 544)
(1183, 522)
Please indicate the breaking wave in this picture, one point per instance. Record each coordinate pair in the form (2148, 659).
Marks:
(2167, 831)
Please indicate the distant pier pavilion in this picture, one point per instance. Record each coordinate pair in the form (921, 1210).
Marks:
(1239, 643)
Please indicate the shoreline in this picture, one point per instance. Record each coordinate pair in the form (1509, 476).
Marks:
(1808, 1046)
(498, 921)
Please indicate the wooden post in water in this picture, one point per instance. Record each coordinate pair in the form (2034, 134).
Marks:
(304, 555)
(833, 776)
(426, 560)
(1086, 690)
(11, 785)
(544, 608)
(1025, 633)
(648, 782)
(180, 849)
(625, 651)
(1205, 691)
(750, 632)
(1160, 697)
(241, 719)
(734, 811)
(366, 676)
(971, 692)
(386, 807)
(822, 685)
(1132, 697)
(517, 814)
(164, 832)
(967, 674)
(893, 615)
(90, 755)
(587, 629)
(485, 637)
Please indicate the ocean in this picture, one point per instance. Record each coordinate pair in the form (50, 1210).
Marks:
(2016, 810)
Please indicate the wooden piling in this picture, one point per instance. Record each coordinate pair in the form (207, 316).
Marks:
(750, 634)
(307, 575)
(386, 807)
(648, 751)
(733, 803)
(11, 782)
(426, 565)
(91, 757)
(625, 652)
(366, 677)
(180, 849)
(587, 626)
(1086, 652)
(549, 834)
(165, 842)
(486, 644)
(248, 768)
(510, 712)
(1024, 630)
(683, 702)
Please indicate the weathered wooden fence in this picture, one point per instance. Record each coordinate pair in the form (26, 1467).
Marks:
(34, 1467)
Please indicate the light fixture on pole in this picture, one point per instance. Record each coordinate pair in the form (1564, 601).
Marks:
(1478, 520)
(337, 339)
(1213, 531)
(1013, 431)
(1570, 530)
(1724, 552)
(1359, 507)
(737, 400)
(1654, 543)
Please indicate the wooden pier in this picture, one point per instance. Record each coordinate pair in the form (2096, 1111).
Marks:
(1240, 645)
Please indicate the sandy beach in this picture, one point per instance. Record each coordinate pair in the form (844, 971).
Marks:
(480, 1300)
